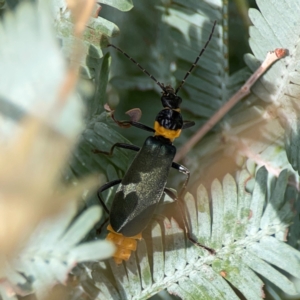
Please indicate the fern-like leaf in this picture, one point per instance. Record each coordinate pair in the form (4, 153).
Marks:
(95, 35)
(281, 84)
(193, 22)
(246, 227)
(26, 33)
(53, 250)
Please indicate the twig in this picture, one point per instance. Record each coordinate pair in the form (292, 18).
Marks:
(271, 57)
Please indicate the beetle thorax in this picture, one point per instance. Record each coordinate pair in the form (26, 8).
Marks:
(168, 123)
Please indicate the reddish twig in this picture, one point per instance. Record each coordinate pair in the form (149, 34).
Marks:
(271, 57)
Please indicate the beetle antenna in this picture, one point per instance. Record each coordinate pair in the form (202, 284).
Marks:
(143, 69)
(196, 61)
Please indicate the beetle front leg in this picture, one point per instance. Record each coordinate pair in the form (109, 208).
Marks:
(188, 124)
(133, 122)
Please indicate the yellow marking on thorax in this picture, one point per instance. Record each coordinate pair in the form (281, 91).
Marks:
(166, 133)
(124, 244)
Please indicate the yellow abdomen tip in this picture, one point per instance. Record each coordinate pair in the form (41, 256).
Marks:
(124, 244)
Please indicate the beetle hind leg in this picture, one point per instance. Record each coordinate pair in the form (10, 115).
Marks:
(182, 210)
(102, 189)
(186, 172)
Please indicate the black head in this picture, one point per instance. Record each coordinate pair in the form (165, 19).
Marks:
(170, 99)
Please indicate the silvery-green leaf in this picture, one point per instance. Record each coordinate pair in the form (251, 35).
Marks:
(53, 249)
(240, 254)
(95, 36)
(122, 5)
(25, 86)
(280, 84)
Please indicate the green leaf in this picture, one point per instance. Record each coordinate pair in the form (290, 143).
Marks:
(101, 84)
(98, 136)
(2, 4)
(194, 24)
(104, 26)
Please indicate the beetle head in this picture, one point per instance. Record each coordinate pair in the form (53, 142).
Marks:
(169, 99)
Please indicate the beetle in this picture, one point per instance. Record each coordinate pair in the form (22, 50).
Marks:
(141, 189)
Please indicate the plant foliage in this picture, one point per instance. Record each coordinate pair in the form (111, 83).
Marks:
(38, 250)
(54, 249)
(248, 226)
(247, 210)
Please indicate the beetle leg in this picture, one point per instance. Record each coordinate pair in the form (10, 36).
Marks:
(105, 187)
(98, 230)
(185, 171)
(126, 124)
(140, 126)
(187, 124)
(119, 145)
(182, 210)
(102, 189)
